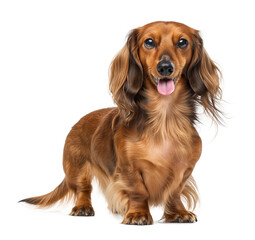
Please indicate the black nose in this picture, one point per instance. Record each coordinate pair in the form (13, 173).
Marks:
(165, 68)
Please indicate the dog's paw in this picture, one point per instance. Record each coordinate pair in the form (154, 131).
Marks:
(182, 217)
(82, 211)
(138, 218)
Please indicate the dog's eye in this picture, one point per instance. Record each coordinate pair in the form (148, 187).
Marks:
(149, 43)
(182, 43)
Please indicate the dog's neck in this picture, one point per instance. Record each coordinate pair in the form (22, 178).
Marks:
(170, 116)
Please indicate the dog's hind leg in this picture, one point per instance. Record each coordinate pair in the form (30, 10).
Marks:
(78, 170)
(83, 189)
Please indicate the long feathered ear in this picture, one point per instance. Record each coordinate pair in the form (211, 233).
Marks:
(126, 77)
(204, 79)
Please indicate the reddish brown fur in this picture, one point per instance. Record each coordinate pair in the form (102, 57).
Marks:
(144, 151)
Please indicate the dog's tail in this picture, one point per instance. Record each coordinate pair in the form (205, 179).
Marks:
(47, 200)
(190, 193)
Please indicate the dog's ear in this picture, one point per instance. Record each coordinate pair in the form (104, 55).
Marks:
(126, 77)
(204, 78)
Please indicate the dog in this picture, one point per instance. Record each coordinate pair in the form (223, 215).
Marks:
(143, 151)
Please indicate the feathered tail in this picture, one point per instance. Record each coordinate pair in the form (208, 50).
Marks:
(51, 198)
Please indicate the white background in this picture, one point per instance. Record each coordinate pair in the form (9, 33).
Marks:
(54, 59)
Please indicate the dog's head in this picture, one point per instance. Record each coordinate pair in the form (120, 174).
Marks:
(157, 56)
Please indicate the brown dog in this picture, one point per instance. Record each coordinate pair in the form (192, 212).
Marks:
(143, 151)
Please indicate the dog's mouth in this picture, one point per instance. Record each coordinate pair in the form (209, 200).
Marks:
(165, 86)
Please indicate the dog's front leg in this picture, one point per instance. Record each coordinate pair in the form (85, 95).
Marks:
(138, 212)
(175, 211)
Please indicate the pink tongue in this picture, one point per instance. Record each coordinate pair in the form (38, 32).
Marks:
(165, 87)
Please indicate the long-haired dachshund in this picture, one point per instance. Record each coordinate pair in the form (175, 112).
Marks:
(143, 151)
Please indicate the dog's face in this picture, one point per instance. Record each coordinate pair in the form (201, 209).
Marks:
(158, 56)
(165, 51)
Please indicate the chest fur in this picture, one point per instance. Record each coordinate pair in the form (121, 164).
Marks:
(161, 165)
